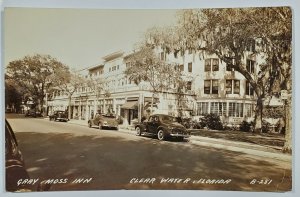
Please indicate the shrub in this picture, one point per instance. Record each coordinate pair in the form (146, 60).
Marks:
(265, 127)
(120, 120)
(246, 126)
(212, 121)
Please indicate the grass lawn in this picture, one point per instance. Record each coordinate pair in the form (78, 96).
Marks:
(265, 139)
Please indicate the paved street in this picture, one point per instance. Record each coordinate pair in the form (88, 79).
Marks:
(110, 159)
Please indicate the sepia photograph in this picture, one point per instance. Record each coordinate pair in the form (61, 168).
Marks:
(148, 99)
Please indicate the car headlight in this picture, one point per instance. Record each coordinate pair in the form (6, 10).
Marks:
(171, 128)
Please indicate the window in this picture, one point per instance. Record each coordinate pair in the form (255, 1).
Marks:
(214, 108)
(162, 56)
(181, 52)
(202, 108)
(211, 86)
(206, 86)
(109, 69)
(181, 67)
(175, 54)
(218, 108)
(231, 109)
(249, 110)
(229, 66)
(190, 51)
(190, 67)
(232, 85)
(207, 65)
(249, 89)
(228, 86)
(189, 85)
(215, 64)
(250, 64)
(215, 87)
(118, 67)
(211, 64)
(236, 89)
(222, 109)
(236, 109)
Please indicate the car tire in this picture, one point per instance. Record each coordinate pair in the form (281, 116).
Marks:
(138, 131)
(90, 125)
(161, 135)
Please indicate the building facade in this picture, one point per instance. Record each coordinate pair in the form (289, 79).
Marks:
(212, 86)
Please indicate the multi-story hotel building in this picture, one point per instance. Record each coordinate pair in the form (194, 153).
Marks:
(212, 87)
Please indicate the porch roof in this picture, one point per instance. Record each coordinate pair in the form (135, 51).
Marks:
(130, 105)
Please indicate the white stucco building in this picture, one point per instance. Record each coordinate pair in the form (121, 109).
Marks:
(212, 87)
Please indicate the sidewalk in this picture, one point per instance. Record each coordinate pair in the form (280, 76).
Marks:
(224, 144)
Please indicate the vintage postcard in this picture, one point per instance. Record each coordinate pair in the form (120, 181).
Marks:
(148, 99)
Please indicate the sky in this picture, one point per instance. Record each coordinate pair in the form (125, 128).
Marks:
(77, 37)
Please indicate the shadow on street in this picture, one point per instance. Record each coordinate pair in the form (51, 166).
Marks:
(112, 162)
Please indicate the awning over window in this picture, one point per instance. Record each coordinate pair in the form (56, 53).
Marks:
(130, 105)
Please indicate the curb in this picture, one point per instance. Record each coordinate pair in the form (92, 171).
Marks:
(242, 147)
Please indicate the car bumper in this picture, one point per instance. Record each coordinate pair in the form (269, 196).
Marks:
(110, 126)
(180, 135)
(62, 119)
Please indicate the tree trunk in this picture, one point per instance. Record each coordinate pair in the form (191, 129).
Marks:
(40, 101)
(287, 148)
(69, 106)
(152, 100)
(258, 115)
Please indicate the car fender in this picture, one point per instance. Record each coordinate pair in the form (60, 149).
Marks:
(165, 130)
(142, 127)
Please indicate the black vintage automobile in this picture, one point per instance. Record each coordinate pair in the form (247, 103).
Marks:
(33, 113)
(163, 126)
(15, 166)
(59, 116)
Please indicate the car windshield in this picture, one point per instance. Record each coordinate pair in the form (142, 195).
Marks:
(168, 119)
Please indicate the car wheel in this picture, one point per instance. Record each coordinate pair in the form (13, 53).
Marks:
(90, 124)
(160, 135)
(138, 131)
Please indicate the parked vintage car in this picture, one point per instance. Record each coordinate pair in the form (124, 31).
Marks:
(104, 121)
(59, 116)
(163, 126)
(33, 113)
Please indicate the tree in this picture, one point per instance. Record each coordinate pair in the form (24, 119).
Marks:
(230, 33)
(147, 66)
(233, 34)
(13, 96)
(68, 82)
(97, 85)
(35, 75)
